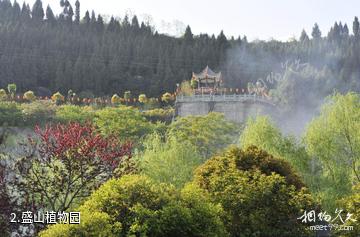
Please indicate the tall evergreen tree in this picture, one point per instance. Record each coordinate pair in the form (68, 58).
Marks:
(356, 27)
(304, 37)
(77, 12)
(135, 23)
(188, 36)
(50, 15)
(86, 18)
(25, 14)
(16, 11)
(38, 11)
(316, 33)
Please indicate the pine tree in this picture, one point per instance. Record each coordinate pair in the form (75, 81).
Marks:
(25, 14)
(188, 36)
(356, 28)
(16, 11)
(70, 14)
(50, 15)
(100, 23)
(86, 18)
(38, 11)
(77, 12)
(345, 31)
(316, 33)
(304, 37)
(93, 17)
(135, 23)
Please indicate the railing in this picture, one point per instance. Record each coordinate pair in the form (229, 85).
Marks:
(223, 98)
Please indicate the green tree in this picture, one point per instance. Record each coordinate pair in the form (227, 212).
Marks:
(356, 30)
(125, 122)
(72, 113)
(142, 98)
(115, 99)
(304, 37)
(3, 95)
(58, 98)
(334, 138)
(138, 206)
(50, 15)
(351, 206)
(261, 132)
(38, 113)
(77, 12)
(127, 96)
(37, 11)
(167, 97)
(168, 161)
(29, 96)
(316, 33)
(188, 36)
(12, 90)
(208, 134)
(251, 185)
(10, 114)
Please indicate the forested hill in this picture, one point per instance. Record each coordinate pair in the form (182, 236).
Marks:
(62, 51)
(65, 52)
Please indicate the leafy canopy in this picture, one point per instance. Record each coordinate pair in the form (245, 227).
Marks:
(137, 206)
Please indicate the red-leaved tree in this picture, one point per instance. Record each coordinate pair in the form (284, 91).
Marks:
(65, 163)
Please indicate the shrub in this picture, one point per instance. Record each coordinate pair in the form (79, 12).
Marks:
(261, 194)
(186, 88)
(12, 89)
(74, 113)
(29, 96)
(38, 112)
(125, 122)
(163, 115)
(3, 95)
(194, 84)
(127, 95)
(58, 98)
(351, 206)
(152, 103)
(10, 114)
(137, 206)
(142, 98)
(115, 99)
(167, 97)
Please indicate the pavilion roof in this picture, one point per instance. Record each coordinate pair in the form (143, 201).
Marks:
(207, 73)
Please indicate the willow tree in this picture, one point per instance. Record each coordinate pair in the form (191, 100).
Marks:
(334, 138)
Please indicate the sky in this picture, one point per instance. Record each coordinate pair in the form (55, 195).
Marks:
(257, 19)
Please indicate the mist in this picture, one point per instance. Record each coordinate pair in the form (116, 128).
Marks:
(298, 75)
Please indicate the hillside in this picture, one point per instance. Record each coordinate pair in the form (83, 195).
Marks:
(40, 48)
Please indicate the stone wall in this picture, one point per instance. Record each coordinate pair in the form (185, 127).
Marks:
(237, 111)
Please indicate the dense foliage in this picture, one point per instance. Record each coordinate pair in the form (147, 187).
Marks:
(137, 206)
(334, 139)
(43, 51)
(261, 194)
(351, 205)
(169, 161)
(125, 122)
(62, 164)
(208, 134)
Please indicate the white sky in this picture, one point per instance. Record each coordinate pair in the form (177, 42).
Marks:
(257, 19)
